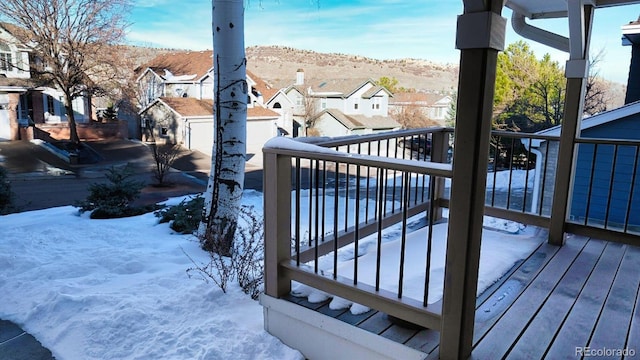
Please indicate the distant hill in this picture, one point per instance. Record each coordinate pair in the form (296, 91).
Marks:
(278, 64)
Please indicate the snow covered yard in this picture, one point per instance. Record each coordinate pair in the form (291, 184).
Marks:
(118, 289)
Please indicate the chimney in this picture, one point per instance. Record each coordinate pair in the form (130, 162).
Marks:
(631, 37)
(299, 77)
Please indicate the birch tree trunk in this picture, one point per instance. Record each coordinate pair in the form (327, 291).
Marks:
(226, 180)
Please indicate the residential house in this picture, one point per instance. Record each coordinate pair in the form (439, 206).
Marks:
(176, 74)
(332, 122)
(333, 107)
(189, 122)
(177, 97)
(23, 100)
(433, 106)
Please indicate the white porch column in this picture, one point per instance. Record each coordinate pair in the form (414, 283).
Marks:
(576, 71)
(480, 36)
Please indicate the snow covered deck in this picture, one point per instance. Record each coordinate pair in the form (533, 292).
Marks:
(561, 302)
(333, 210)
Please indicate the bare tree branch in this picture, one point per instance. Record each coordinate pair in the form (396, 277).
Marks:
(71, 41)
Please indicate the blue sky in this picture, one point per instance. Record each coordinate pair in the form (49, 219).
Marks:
(383, 29)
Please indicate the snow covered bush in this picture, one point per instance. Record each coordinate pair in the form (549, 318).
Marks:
(113, 199)
(184, 217)
(246, 263)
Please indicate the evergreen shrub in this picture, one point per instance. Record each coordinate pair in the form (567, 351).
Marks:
(114, 199)
(184, 217)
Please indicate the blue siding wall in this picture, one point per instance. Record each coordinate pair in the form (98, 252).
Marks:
(614, 194)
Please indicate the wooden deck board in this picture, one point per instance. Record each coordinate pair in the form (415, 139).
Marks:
(497, 341)
(585, 293)
(510, 288)
(376, 323)
(634, 332)
(355, 319)
(588, 306)
(399, 333)
(541, 331)
(425, 340)
(614, 323)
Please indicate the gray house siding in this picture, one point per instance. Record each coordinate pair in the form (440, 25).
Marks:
(163, 123)
(610, 177)
(550, 158)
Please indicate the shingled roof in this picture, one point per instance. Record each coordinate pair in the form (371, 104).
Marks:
(196, 63)
(336, 87)
(353, 122)
(416, 98)
(192, 107)
(188, 107)
(262, 86)
(16, 82)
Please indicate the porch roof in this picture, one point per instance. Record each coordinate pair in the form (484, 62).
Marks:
(599, 119)
(545, 9)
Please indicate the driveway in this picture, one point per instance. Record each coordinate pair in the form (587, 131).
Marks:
(41, 180)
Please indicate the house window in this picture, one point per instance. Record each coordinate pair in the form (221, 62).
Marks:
(376, 104)
(5, 57)
(323, 104)
(355, 106)
(151, 89)
(24, 111)
(164, 131)
(50, 106)
(63, 109)
(19, 62)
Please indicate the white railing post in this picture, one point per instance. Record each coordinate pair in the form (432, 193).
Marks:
(277, 221)
(439, 154)
(576, 73)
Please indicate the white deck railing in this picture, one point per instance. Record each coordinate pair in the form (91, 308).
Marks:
(321, 198)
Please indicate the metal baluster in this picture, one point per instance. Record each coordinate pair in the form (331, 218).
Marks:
(633, 182)
(593, 168)
(613, 173)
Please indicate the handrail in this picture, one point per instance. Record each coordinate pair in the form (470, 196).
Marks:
(604, 141)
(409, 165)
(356, 139)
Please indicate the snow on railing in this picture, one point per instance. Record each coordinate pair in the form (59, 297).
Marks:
(339, 201)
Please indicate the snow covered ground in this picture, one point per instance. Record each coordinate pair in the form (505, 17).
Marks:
(118, 289)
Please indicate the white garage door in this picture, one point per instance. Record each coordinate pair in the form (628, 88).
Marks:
(200, 136)
(5, 127)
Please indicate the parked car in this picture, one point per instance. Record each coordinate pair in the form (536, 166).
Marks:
(418, 143)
